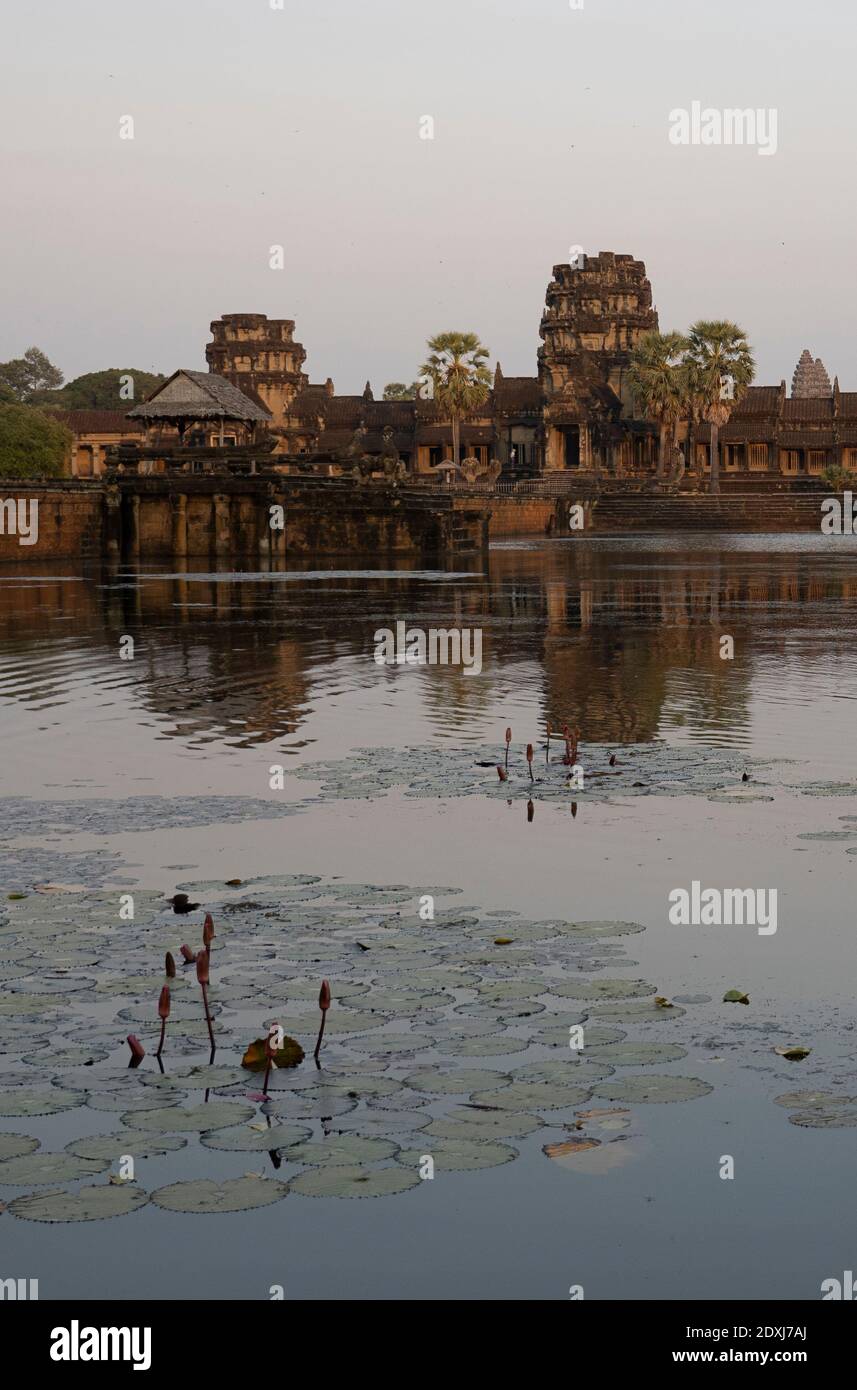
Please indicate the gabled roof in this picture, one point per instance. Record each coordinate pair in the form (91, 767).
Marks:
(198, 396)
(97, 421)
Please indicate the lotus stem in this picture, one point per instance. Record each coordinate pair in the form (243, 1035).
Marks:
(502, 773)
(202, 976)
(138, 1051)
(548, 746)
(508, 741)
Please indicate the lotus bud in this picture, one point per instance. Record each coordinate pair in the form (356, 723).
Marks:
(188, 955)
(138, 1051)
(324, 996)
(170, 966)
(202, 968)
(164, 1003)
(502, 773)
(208, 929)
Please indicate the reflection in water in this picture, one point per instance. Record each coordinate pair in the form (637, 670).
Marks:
(619, 636)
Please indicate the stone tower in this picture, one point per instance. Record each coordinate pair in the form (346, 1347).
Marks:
(810, 378)
(595, 314)
(260, 356)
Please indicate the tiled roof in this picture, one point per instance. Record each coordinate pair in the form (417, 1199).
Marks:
(223, 401)
(97, 421)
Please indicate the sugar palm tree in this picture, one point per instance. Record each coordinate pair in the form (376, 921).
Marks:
(723, 366)
(457, 377)
(656, 382)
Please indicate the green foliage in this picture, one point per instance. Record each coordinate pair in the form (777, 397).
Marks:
(656, 378)
(117, 388)
(837, 477)
(457, 377)
(26, 376)
(398, 391)
(31, 443)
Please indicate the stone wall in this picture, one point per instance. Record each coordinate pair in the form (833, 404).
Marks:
(69, 515)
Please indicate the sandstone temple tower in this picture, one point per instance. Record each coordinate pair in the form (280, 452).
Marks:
(260, 356)
(595, 314)
(810, 378)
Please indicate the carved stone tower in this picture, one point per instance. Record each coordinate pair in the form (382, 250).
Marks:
(260, 356)
(595, 314)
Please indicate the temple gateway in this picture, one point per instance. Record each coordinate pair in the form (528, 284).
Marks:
(576, 414)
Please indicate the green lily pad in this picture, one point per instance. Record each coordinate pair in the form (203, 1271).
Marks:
(459, 1154)
(241, 1139)
(532, 1095)
(22, 1102)
(469, 1122)
(452, 1083)
(206, 1198)
(828, 1117)
(343, 1148)
(652, 1088)
(636, 1054)
(344, 1180)
(31, 1169)
(177, 1119)
(89, 1204)
(16, 1145)
(601, 989)
(137, 1143)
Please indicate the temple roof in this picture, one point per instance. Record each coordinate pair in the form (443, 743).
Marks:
(198, 396)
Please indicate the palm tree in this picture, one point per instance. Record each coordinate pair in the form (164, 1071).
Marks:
(721, 362)
(656, 382)
(458, 377)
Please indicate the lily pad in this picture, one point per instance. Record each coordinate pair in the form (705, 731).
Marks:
(137, 1143)
(260, 1138)
(16, 1145)
(652, 1089)
(89, 1204)
(21, 1102)
(32, 1169)
(176, 1119)
(343, 1148)
(459, 1154)
(344, 1180)
(452, 1083)
(532, 1095)
(206, 1198)
(636, 1054)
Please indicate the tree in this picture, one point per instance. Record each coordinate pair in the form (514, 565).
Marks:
(723, 367)
(398, 391)
(457, 377)
(31, 443)
(117, 388)
(657, 385)
(27, 375)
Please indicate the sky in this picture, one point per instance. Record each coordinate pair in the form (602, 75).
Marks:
(300, 127)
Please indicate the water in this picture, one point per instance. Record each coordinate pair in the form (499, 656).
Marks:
(235, 673)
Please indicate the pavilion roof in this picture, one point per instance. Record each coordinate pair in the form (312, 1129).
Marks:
(188, 395)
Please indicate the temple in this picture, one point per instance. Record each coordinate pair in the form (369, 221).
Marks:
(574, 416)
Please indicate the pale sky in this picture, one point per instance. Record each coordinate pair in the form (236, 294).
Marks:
(300, 126)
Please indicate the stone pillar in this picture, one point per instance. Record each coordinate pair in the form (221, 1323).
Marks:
(113, 523)
(178, 507)
(220, 522)
(134, 527)
(554, 450)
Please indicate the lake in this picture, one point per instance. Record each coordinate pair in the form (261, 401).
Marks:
(467, 925)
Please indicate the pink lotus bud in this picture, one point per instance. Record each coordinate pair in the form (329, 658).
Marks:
(324, 996)
(502, 773)
(164, 1003)
(529, 752)
(208, 929)
(138, 1051)
(170, 966)
(188, 955)
(202, 968)
(508, 735)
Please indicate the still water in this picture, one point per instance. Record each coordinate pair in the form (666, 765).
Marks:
(234, 674)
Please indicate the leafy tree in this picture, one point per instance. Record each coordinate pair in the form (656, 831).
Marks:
(118, 388)
(657, 384)
(723, 367)
(457, 377)
(398, 391)
(26, 376)
(31, 443)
